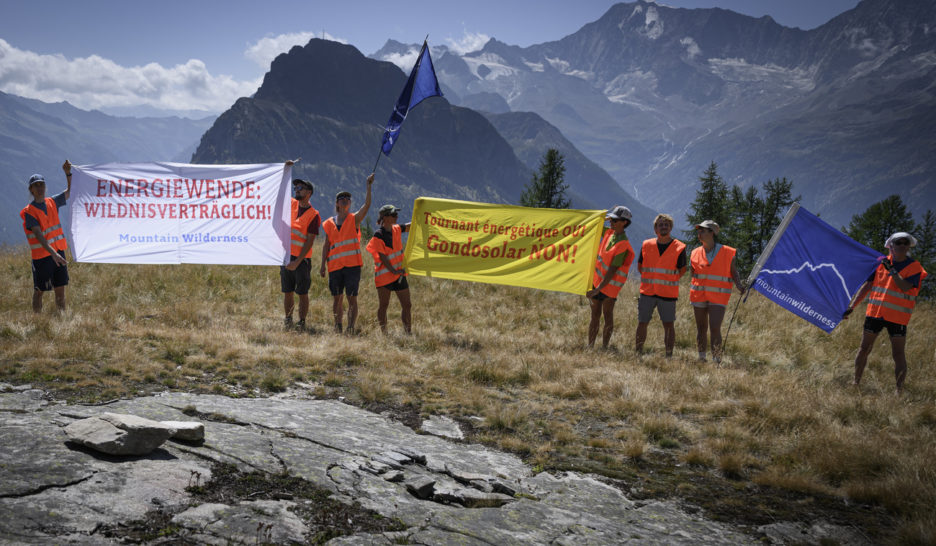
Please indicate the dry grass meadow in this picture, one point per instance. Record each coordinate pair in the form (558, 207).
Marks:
(776, 432)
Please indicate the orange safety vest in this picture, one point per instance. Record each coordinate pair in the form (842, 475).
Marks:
(345, 249)
(887, 301)
(376, 246)
(49, 225)
(711, 282)
(659, 275)
(605, 257)
(300, 228)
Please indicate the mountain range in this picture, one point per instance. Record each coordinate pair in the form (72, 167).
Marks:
(326, 102)
(653, 94)
(37, 137)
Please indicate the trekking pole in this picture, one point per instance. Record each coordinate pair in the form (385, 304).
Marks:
(731, 321)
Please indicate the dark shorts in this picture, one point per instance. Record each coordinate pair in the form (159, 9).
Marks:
(399, 284)
(602, 296)
(297, 281)
(875, 325)
(646, 304)
(345, 280)
(47, 275)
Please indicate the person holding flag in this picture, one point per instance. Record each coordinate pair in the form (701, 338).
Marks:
(894, 286)
(296, 276)
(341, 254)
(661, 263)
(615, 255)
(713, 270)
(47, 239)
(386, 247)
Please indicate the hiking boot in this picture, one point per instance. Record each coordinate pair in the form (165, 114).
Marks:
(338, 328)
(287, 323)
(300, 326)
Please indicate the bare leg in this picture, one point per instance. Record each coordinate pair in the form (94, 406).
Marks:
(383, 301)
(37, 301)
(861, 359)
(303, 306)
(338, 310)
(641, 336)
(669, 337)
(352, 312)
(716, 316)
(701, 322)
(288, 303)
(59, 297)
(594, 322)
(900, 361)
(607, 306)
(406, 306)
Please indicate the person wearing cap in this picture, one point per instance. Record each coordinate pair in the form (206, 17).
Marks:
(296, 276)
(47, 239)
(893, 288)
(386, 247)
(661, 263)
(615, 255)
(341, 254)
(713, 271)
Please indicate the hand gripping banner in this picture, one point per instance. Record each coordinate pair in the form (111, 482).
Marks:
(171, 213)
(549, 249)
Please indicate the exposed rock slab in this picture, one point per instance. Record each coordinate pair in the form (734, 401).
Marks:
(443, 492)
(439, 425)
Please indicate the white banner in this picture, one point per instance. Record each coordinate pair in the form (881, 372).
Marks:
(171, 213)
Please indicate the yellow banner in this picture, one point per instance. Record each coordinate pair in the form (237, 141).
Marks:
(549, 249)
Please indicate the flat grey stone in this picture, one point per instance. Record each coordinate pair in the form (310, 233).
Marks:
(393, 476)
(118, 434)
(187, 431)
(439, 425)
(421, 488)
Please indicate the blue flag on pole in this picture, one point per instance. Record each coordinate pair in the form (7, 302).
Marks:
(422, 83)
(813, 269)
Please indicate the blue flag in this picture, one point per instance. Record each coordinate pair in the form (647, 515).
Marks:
(422, 83)
(814, 269)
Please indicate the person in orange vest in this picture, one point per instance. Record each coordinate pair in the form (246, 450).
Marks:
(713, 270)
(661, 263)
(341, 254)
(296, 276)
(894, 286)
(47, 239)
(615, 255)
(386, 246)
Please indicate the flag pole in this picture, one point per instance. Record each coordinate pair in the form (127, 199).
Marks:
(418, 59)
(761, 260)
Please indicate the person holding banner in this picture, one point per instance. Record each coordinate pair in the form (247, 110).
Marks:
(341, 254)
(661, 263)
(894, 286)
(713, 270)
(296, 276)
(386, 246)
(615, 255)
(47, 239)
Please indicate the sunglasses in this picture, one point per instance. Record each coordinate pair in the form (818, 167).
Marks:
(902, 242)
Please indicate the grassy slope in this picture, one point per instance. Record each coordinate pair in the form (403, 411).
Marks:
(775, 432)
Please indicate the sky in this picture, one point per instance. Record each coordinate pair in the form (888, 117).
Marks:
(204, 54)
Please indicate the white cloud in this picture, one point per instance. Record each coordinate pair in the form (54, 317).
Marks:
(266, 49)
(95, 82)
(470, 41)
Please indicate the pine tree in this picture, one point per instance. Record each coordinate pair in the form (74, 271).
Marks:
(546, 189)
(925, 252)
(879, 221)
(711, 201)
